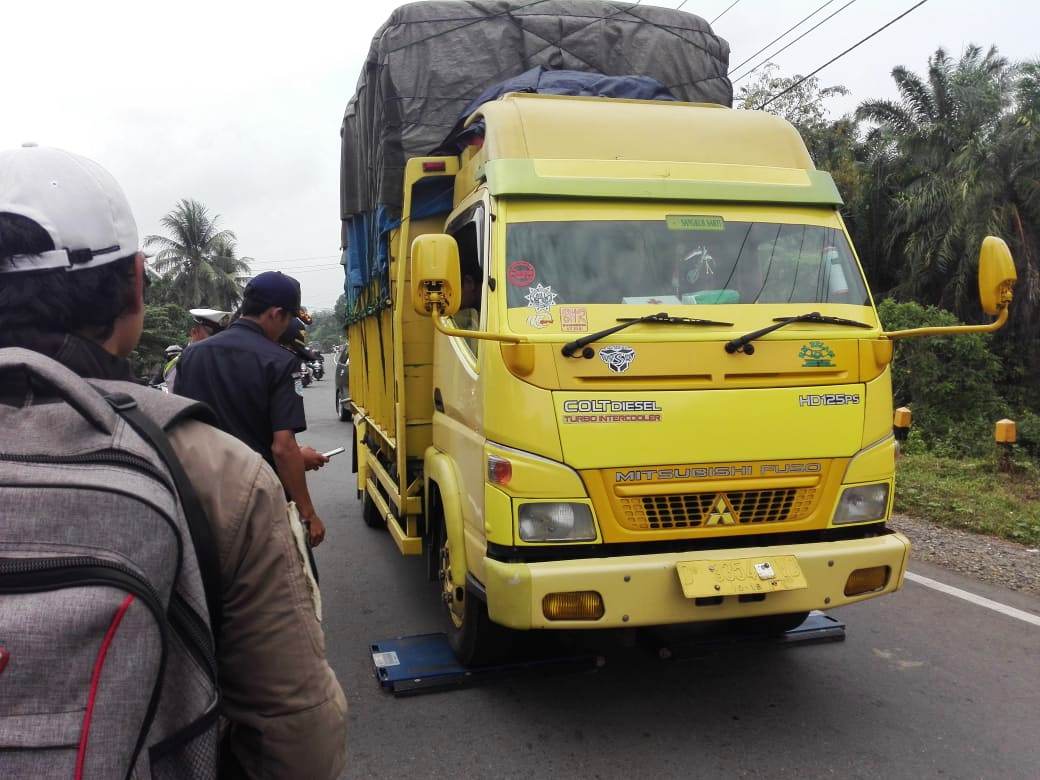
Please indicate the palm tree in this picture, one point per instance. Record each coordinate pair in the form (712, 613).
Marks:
(197, 258)
(950, 162)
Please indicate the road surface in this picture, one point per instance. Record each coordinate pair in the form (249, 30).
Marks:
(926, 684)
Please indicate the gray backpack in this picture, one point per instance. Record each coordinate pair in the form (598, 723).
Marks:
(108, 581)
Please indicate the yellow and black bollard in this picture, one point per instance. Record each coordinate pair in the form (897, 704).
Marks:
(901, 427)
(1005, 434)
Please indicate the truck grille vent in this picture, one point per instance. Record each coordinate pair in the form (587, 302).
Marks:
(694, 510)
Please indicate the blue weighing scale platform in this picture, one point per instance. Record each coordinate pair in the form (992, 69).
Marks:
(425, 663)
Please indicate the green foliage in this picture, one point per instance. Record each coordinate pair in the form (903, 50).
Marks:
(971, 494)
(198, 263)
(950, 382)
(328, 326)
(164, 324)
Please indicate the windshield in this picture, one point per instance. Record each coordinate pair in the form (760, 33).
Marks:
(682, 259)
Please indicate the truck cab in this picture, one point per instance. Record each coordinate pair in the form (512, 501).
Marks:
(641, 376)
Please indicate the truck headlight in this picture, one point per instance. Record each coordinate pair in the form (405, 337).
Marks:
(556, 522)
(861, 504)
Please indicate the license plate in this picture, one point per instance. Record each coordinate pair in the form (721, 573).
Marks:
(741, 576)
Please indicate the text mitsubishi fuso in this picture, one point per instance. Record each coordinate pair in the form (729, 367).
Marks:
(614, 361)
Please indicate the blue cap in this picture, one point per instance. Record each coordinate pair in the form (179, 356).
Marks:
(275, 289)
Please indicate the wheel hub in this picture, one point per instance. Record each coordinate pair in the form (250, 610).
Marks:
(448, 587)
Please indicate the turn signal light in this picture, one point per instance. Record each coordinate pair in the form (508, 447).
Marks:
(575, 605)
(499, 470)
(867, 580)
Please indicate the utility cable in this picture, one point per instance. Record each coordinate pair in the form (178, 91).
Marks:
(724, 12)
(292, 259)
(838, 57)
(291, 271)
(735, 68)
(820, 23)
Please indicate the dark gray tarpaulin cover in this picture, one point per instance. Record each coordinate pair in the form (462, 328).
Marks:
(431, 59)
(552, 82)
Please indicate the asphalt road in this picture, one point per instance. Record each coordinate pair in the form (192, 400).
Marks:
(925, 685)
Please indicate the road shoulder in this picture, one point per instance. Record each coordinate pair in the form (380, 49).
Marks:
(994, 568)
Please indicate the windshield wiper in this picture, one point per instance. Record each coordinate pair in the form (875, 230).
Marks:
(743, 343)
(662, 317)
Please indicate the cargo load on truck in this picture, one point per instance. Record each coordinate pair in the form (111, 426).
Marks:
(431, 61)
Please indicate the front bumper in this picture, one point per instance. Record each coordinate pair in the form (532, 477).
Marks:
(644, 590)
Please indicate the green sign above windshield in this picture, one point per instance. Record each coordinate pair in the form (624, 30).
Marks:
(681, 222)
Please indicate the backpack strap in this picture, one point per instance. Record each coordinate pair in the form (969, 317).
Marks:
(198, 523)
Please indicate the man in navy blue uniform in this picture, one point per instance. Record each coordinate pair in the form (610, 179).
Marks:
(247, 379)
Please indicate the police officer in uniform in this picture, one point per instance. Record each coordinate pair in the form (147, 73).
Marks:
(247, 379)
(207, 322)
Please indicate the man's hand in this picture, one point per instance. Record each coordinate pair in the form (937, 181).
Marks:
(312, 459)
(315, 529)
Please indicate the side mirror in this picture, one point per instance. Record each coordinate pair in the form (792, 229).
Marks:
(436, 283)
(997, 275)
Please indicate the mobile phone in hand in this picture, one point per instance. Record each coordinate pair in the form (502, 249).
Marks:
(336, 451)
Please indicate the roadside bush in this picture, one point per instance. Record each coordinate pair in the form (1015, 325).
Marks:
(950, 382)
(1028, 432)
(164, 324)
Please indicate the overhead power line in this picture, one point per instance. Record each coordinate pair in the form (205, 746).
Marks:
(305, 269)
(735, 68)
(724, 12)
(839, 56)
(792, 43)
(258, 261)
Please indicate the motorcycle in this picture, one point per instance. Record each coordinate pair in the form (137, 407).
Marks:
(317, 367)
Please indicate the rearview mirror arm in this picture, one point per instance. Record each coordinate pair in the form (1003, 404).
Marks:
(441, 324)
(951, 330)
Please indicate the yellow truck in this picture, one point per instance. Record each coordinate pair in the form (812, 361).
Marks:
(634, 377)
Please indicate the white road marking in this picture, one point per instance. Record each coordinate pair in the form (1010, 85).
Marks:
(996, 606)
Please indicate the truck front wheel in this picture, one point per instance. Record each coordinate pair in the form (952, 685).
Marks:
(474, 638)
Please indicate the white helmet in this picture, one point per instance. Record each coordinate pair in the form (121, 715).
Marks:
(212, 319)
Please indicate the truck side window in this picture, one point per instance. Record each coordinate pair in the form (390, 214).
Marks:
(471, 271)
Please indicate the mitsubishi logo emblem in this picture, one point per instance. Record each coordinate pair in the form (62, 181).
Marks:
(721, 514)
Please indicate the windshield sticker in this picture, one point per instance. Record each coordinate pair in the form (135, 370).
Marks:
(521, 273)
(611, 411)
(816, 354)
(617, 357)
(574, 319)
(541, 298)
(695, 222)
(541, 319)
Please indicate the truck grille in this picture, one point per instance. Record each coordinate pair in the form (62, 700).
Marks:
(693, 510)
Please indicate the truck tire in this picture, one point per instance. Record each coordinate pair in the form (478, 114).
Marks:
(342, 410)
(370, 513)
(475, 640)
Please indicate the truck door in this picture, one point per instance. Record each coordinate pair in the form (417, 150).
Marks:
(459, 430)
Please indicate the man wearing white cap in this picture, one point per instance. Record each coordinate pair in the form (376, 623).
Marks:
(71, 288)
(205, 323)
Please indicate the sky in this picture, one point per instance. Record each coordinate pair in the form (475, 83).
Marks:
(239, 104)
